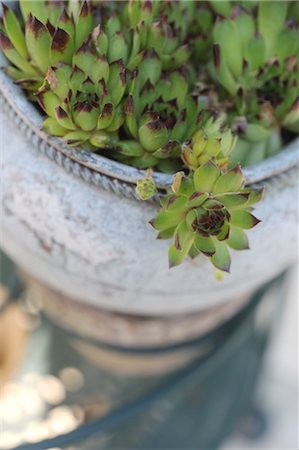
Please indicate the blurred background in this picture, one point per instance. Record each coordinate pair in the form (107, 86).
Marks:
(278, 387)
(52, 383)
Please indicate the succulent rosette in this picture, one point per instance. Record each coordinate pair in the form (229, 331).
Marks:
(52, 34)
(83, 102)
(207, 215)
(209, 142)
(160, 114)
(256, 64)
(162, 26)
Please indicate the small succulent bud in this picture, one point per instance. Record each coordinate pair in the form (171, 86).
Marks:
(146, 187)
(209, 143)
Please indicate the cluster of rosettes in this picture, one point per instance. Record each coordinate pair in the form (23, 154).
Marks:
(117, 81)
(133, 79)
(256, 63)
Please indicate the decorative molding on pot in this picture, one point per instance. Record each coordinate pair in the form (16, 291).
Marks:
(102, 171)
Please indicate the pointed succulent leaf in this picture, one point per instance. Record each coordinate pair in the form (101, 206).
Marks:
(150, 66)
(54, 10)
(66, 23)
(35, 8)
(52, 127)
(156, 36)
(153, 135)
(287, 43)
(58, 79)
(231, 181)
(166, 234)
(14, 73)
(221, 258)
(165, 220)
(85, 59)
(206, 176)
(243, 219)
(228, 142)
(234, 200)
(246, 27)
(254, 195)
(48, 102)
(13, 56)
(256, 133)
(73, 9)
(176, 59)
(226, 34)
(84, 24)
(117, 120)
(145, 161)
(204, 245)
(100, 40)
(213, 146)
(224, 233)
(86, 116)
(62, 47)
(134, 12)
(177, 89)
(76, 79)
(271, 19)
(196, 199)
(130, 148)
(14, 31)
(130, 116)
(179, 130)
(172, 149)
(176, 256)
(38, 41)
(181, 235)
(100, 139)
(176, 204)
(211, 203)
(75, 138)
(106, 116)
(64, 119)
(113, 25)
(256, 52)
(237, 239)
(117, 48)
(117, 81)
(100, 70)
(222, 71)
(32, 84)
(291, 119)
(222, 7)
(193, 252)
(190, 218)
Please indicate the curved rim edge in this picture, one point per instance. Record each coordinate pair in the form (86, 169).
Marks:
(14, 95)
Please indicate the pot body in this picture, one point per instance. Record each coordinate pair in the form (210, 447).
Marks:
(97, 247)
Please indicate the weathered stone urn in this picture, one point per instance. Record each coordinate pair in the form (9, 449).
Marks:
(72, 223)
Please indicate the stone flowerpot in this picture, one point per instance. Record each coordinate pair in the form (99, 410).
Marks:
(71, 221)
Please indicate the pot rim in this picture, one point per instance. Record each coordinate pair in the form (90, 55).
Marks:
(30, 119)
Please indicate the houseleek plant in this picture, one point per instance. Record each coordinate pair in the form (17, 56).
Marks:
(188, 88)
